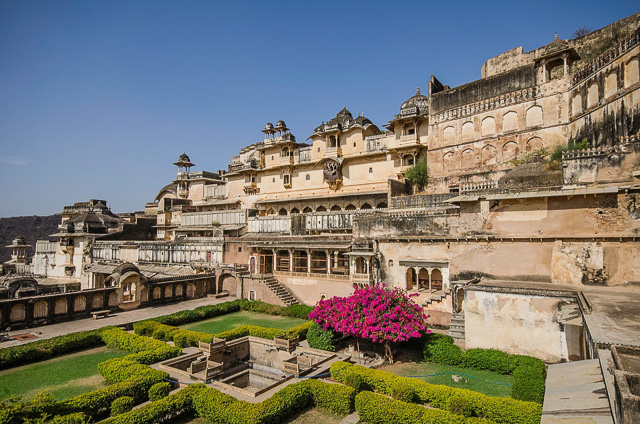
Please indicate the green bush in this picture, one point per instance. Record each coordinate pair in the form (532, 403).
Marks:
(297, 311)
(499, 410)
(418, 174)
(440, 349)
(402, 390)
(121, 405)
(529, 380)
(377, 409)
(321, 339)
(76, 418)
(460, 405)
(120, 339)
(354, 381)
(48, 348)
(490, 360)
(159, 391)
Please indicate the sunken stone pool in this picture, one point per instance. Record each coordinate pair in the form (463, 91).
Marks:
(248, 365)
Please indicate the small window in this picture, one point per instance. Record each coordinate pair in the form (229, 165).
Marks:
(411, 131)
(252, 295)
(239, 248)
(354, 144)
(308, 177)
(274, 179)
(271, 157)
(390, 262)
(318, 150)
(286, 178)
(370, 170)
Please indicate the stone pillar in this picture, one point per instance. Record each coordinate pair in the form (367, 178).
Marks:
(290, 260)
(275, 259)
(544, 71)
(566, 64)
(308, 261)
(328, 254)
(429, 270)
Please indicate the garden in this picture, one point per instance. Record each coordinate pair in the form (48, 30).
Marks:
(386, 317)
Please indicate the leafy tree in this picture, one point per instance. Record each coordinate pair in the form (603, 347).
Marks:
(417, 174)
(378, 313)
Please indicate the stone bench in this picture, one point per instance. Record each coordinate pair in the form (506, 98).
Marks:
(97, 314)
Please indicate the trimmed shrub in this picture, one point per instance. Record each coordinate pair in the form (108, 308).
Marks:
(120, 339)
(76, 418)
(499, 410)
(121, 405)
(401, 390)
(440, 349)
(377, 409)
(353, 380)
(159, 391)
(321, 339)
(529, 380)
(490, 360)
(460, 405)
(297, 311)
(48, 348)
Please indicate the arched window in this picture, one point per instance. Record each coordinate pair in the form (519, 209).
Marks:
(307, 210)
(295, 210)
(365, 206)
(382, 205)
(321, 209)
(336, 208)
(282, 212)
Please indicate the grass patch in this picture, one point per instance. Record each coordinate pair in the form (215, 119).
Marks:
(481, 382)
(65, 376)
(236, 319)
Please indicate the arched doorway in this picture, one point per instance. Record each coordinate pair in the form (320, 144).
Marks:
(423, 278)
(436, 279)
(227, 282)
(411, 278)
(252, 265)
(361, 265)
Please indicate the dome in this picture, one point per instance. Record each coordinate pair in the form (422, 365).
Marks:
(280, 124)
(419, 100)
(184, 158)
(344, 113)
(269, 126)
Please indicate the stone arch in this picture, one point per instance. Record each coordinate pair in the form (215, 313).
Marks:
(157, 293)
(40, 309)
(449, 134)
(631, 72)
(295, 210)
(593, 96)
(468, 159)
(533, 144)
(307, 209)
(168, 291)
(191, 291)
(18, 313)
(271, 212)
(611, 84)
(449, 161)
(488, 126)
(227, 282)
(361, 265)
(411, 278)
(144, 295)
(436, 279)
(365, 206)
(336, 208)
(79, 304)
(576, 104)
(382, 205)
(179, 290)
(423, 277)
(468, 131)
(96, 302)
(534, 116)
(350, 207)
(60, 307)
(489, 155)
(113, 299)
(321, 209)
(282, 212)
(510, 151)
(510, 121)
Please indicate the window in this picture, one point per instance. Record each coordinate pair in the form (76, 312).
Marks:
(274, 179)
(411, 131)
(239, 248)
(252, 295)
(308, 177)
(390, 262)
(287, 179)
(354, 144)
(318, 150)
(271, 157)
(370, 170)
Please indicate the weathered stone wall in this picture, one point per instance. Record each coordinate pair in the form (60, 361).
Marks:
(602, 165)
(309, 290)
(526, 323)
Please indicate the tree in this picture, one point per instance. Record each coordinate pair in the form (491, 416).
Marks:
(417, 174)
(582, 31)
(378, 313)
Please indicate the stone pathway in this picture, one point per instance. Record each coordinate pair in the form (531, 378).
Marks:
(576, 393)
(118, 318)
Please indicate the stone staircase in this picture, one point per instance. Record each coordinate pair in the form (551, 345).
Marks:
(436, 298)
(279, 290)
(456, 329)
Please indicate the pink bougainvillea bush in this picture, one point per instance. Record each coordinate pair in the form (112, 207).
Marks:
(378, 313)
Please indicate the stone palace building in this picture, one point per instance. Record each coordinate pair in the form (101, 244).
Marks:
(532, 200)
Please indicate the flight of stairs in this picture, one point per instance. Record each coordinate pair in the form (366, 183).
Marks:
(281, 291)
(456, 329)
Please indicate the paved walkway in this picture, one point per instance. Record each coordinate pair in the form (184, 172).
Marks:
(119, 319)
(575, 393)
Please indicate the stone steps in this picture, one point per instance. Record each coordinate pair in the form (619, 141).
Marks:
(456, 328)
(279, 290)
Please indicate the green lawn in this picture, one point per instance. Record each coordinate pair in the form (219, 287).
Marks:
(65, 376)
(236, 319)
(479, 381)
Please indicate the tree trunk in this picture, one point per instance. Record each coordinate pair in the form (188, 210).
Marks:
(387, 352)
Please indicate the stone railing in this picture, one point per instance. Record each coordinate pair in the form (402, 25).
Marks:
(485, 105)
(269, 224)
(252, 164)
(480, 186)
(375, 143)
(586, 153)
(420, 200)
(326, 221)
(303, 155)
(607, 57)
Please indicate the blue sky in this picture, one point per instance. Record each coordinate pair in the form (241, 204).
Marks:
(98, 98)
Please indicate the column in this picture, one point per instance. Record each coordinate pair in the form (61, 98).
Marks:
(290, 260)
(328, 255)
(566, 64)
(429, 279)
(275, 259)
(335, 259)
(308, 261)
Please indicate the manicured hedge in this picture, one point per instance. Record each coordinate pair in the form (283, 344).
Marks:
(321, 339)
(121, 405)
(499, 410)
(48, 348)
(528, 373)
(159, 391)
(222, 408)
(374, 408)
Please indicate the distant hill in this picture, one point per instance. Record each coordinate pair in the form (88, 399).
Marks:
(32, 228)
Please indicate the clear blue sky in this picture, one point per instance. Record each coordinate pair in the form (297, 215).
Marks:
(98, 98)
